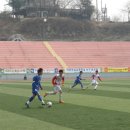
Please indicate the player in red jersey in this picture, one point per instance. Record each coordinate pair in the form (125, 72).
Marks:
(95, 77)
(57, 81)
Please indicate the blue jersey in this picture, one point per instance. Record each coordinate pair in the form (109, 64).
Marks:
(36, 85)
(78, 78)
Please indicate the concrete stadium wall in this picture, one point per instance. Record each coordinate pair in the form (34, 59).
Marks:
(67, 76)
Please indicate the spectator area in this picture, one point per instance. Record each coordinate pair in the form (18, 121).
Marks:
(93, 54)
(74, 54)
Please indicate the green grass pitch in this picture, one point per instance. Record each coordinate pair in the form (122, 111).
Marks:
(108, 108)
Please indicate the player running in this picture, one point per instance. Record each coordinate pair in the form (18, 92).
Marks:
(36, 85)
(78, 81)
(57, 81)
(95, 77)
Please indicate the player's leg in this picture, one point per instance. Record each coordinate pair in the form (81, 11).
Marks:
(60, 97)
(75, 84)
(90, 84)
(96, 85)
(52, 93)
(30, 100)
(40, 98)
(60, 94)
(81, 84)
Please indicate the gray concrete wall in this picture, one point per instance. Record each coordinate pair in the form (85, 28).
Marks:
(67, 76)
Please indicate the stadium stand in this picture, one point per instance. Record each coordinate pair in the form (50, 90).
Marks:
(26, 55)
(93, 54)
(60, 54)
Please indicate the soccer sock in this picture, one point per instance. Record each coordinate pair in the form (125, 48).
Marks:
(39, 97)
(82, 85)
(43, 102)
(30, 100)
(50, 93)
(96, 87)
(60, 96)
(73, 85)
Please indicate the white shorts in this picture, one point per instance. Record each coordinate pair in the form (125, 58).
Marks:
(94, 82)
(57, 88)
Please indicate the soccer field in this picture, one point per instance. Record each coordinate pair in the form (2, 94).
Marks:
(108, 108)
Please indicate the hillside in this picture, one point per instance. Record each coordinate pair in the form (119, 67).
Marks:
(64, 29)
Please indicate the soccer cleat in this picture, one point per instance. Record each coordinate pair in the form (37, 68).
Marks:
(27, 105)
(43, 104)
(61, 102)
(83, 88)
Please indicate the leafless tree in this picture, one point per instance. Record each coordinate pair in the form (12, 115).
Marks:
(127, 10)
(64, 3)
(116, 19)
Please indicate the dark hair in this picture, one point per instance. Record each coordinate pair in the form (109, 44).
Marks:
(39, 70)
(61, 71)
(81, 71)
(96, 70)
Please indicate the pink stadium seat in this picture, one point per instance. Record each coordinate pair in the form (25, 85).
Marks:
(26, 55)
(74, 54)
(93, 54)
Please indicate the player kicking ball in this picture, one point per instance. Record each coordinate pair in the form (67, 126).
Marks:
(36, 86)
(78, 81)
(95, 77)
(57, 81)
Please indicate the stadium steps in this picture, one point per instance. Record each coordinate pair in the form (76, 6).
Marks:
(54, 54)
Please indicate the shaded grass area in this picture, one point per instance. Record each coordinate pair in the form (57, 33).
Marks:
(75, 116)
(68, 115)
(13, 121)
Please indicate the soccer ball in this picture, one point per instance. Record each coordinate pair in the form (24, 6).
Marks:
(49, 104)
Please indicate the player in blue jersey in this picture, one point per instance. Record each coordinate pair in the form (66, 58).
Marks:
(36, 86)
(78, 81)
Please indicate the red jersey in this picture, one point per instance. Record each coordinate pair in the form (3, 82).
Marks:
(58, 80)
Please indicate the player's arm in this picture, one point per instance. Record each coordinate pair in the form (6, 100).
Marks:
(34, 78)
(39, 81)
(82, 79)
(41, 88)
(40, 85)
(63, 80)
(53, 80)
(77, 78)
(99, 78)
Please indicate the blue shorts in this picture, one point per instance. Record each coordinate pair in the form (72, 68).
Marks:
(77, 82)
(35, 92)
